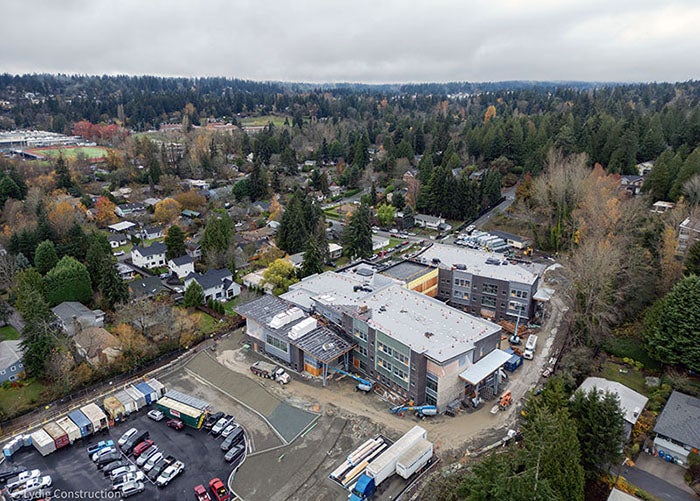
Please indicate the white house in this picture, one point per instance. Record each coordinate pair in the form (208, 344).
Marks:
(216, 284)
(123, 210)
(426, 221)
(117, 240)
(181, 266)
(149, 257)
(379, 242)
(334, 250)
(151, 232)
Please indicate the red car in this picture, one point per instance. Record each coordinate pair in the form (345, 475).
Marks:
(201, 493)
(175, 424)
(142, 447)
(219, 490)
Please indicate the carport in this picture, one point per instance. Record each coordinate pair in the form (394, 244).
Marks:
(484, 376)
(322, 347)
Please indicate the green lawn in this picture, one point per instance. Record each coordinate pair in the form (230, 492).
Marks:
(207, 323)
(8, 332)
(14, 401)
(264, 120)
(90, 152)
(125, 248)
(393, 242)
(632, 378)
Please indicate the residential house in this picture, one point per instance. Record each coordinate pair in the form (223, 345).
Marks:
(181, 266)
(193, 249)
(644, 168)
(197, 184)
(121, 227)
(631, 402)
(151, 232)
(123, 210)
(191, 214)
(335, 190)
(334, 250)
(151, 202)
(477, 175)
(146, 287)
(10, 360)
(97, 346)
(426, 221)
(379, 242)
(632, 184)
(256, 279)
(688, 234)
(512, 240)
(149, 257)
(405, 220)
(125, 271)
(74, 316)
(216, 284)
(296, 259)
(117, 240)
(678, 427)
(660, 207)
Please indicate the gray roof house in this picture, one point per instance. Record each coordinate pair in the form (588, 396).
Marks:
(181, 266)
(216, 284)
(74, 316)
(149, 257)
(631, 402)
(678, 426)
(10, 360)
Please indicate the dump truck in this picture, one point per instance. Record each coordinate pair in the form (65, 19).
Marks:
(385, 465)
(270, 371)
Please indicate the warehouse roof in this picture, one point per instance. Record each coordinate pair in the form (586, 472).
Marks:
(446, 256)
(425, 324)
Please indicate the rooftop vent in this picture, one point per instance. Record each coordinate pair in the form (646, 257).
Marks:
(429, 335)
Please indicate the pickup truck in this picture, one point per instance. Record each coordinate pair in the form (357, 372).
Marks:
(270, 371)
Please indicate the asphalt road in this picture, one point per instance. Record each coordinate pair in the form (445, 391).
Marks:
(72, 470)
(656, 486)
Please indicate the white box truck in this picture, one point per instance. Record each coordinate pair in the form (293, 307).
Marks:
(530, 347)
(414, 458)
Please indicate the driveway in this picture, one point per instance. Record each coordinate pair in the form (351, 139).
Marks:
(663, 480)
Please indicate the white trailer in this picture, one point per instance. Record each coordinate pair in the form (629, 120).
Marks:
(385, 465)
(126, 400)
(43, 442)
(70, 428)
(414, 458)
(96, 416)
(530, 347)
(138, 397)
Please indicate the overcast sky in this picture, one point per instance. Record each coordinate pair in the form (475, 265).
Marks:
(357, 40)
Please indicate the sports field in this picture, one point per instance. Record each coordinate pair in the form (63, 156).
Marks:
(69, 152)
(277, 121)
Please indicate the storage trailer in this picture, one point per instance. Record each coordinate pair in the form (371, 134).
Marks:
(43, 442)
(148, 392)
(70, 428)
(138, 397)
(414, 459)
(157, 386)
(96, 416)
(126, 400)
(81, 421)
(114, 408)
(189, 415)
(195, 402)
(58, 434)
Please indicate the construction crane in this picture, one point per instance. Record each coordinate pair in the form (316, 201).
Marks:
(364, 385)
(420, 410)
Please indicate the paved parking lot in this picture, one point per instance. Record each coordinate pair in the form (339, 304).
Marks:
(72, 470)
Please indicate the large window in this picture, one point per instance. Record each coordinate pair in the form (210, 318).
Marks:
(489, 302)
(280, 345)
(519, 294)
(361, 335)
(388, 350)
(361, 350)
(462, 283)
(516, 306)
(431, 383)
(489, 289)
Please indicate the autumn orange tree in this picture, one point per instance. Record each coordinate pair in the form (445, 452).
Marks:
(167, 211)
(104, 212)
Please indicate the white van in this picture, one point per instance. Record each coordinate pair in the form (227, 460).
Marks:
(530, 347)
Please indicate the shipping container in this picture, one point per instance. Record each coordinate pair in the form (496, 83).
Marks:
(514, 362)
(158, 386)
(148, 392)
(43, 442)
(138, 397)
(188, 400)
(385, 465)
(189, 415)
(128, 402)
(70, 428)
(82, 422)
(414, 458)
(59, 435)
(114, 408)
(96, 416)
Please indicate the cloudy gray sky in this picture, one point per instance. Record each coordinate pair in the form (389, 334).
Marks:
(357, 40)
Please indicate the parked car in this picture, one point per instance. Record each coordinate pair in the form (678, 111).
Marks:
(118, 482)
(152, 461)
(11, 471)
(201, 493)
(146, 455)
(99, 445)
(120, 472)
(126, 436)
(220, 425)
(31, 488)
(22, 478)
(176, 424)
(158, 468)
(227, 431)
(119, 253)
(134, 441)
(219, 490)
(235, 454)
(170, 473)
(155, 415)
(114, 465)
(102, 452)
(105, 459)
(131, 488)
(233, 437)
(142, 447)
(211, 420)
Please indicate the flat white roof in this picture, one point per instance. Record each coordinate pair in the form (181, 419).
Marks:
(475, 262)
(121, 226)
(425, 324)
(487, 365)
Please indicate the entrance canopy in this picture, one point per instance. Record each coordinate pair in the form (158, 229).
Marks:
(323, 344)
(486, 366)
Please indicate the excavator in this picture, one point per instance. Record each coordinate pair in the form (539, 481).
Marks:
(421, 411)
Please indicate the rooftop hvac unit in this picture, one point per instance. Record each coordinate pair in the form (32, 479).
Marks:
(302, 328)
(285, 317)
